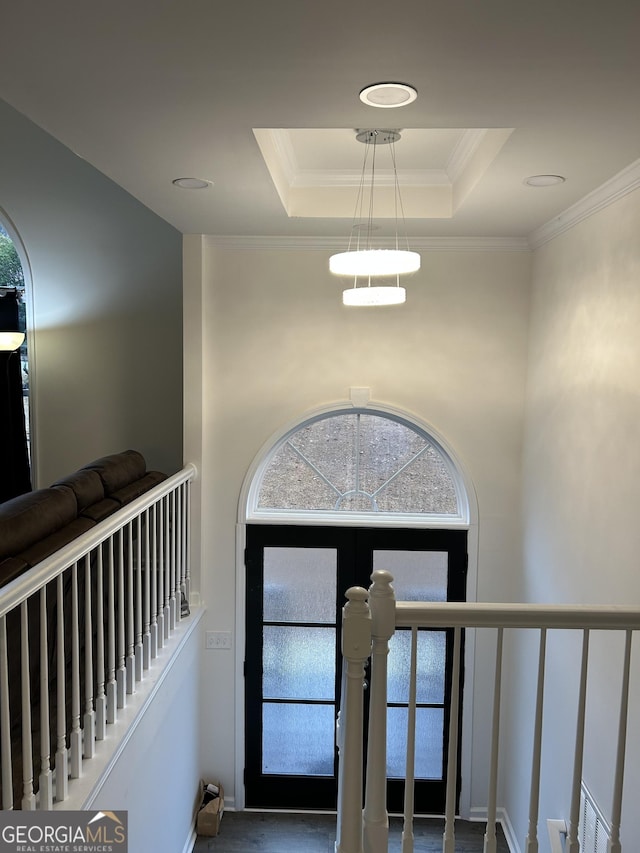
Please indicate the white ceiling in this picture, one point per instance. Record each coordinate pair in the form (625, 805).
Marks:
(151, 90)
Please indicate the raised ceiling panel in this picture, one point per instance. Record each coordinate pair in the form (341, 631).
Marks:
(317, 171)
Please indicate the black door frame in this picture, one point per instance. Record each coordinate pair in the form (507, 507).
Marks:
(354, 567)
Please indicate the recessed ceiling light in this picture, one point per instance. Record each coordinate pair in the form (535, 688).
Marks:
(191, 183)
(388, 95)
(544, 180)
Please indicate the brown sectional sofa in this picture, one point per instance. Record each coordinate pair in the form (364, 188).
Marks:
(35, 525)
(32, 527)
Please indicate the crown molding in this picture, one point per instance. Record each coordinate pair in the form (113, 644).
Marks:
(431, 244)
(384, 178)
(620, 185)
(464, 150)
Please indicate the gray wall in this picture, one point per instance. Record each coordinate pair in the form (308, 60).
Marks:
(106, 320)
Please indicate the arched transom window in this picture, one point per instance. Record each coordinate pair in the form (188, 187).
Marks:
(359, 465)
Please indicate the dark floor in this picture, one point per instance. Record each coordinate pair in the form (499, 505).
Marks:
(268, 832)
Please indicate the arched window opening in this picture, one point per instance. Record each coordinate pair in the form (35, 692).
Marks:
(14, 374)
(359, 466)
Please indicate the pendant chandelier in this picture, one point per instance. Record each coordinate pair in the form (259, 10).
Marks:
(361, 260)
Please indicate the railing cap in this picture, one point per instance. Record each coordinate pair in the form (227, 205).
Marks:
(439, 614)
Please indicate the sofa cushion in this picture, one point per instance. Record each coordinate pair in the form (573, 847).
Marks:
(119, 469)
(133, 490)
(10, 568)
(86, 486)
(50, 544)
(101, 510)
(33, 516)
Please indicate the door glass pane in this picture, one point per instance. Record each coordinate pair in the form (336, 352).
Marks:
(417, 575)
(429, 742)
(430, 667)
(298, 739)
(299, 663)
(300, 584)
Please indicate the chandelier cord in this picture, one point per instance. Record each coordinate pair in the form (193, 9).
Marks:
(356, 224)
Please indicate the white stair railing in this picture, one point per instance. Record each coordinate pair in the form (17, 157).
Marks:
(79, 632)
(371, 619)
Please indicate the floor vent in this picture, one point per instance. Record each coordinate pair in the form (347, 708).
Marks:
(594, 829)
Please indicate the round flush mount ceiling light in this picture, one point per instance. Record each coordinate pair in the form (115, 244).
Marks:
(388, 95)
(544, 180)
(191, 183)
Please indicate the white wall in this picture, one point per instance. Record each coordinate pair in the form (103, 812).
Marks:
(106, 328)
(581, 495)
(277, 343)
(156, 776)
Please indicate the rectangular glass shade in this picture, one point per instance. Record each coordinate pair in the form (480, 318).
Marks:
(430, 671)
(429, 743)
(417, 575)
(299, 663)
(300, 585)
(298, 739)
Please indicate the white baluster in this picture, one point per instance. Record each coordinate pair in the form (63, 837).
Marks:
(148, 569)
(160, 575)
(75, 736)
(409, 783)
(62, 756)
(139, 602)
(531, 842)
(130, 631)
(89, 719)
(376, 818)
(112, 687)
(172, 561)
(101, 699)
(573, 844)
(356, 647)
(28, 797)
(186, 538)
(153, 628)
(5, 720)
(449, 835)
(166, 570)
(46, 777)
(121, 673)
(179, 522)
(614, 845)
(490, 842)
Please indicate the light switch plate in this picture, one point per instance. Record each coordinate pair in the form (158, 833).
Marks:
(217, 639)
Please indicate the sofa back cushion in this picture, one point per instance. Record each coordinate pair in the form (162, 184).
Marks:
(86, 486)
(33, 516)
(119, 469)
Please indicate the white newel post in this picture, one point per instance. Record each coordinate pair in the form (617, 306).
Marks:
(356, 648)
(376, 819)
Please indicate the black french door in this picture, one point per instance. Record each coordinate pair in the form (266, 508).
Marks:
(296, 580)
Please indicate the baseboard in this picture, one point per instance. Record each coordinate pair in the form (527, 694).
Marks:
(480, 815)
(509, 833)
(191, 840)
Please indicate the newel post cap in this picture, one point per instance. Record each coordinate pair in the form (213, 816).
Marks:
(356, 625)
